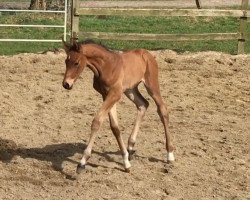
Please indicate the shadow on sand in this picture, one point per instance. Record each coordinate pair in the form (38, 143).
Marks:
(56, 154)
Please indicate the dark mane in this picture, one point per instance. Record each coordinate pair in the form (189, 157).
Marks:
(76, 46)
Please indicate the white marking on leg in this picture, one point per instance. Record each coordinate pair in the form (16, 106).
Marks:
(170, 156)
(130, 148)
(83, 161)
(126, 161)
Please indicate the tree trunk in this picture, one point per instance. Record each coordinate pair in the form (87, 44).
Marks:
(55, 4)
(46, 4)
(198, 4)
(37, 5)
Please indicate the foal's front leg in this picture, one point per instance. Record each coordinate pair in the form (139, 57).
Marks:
(112, 97)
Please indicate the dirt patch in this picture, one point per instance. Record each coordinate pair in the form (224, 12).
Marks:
(44, 130)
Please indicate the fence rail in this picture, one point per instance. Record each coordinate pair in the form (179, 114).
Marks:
(64, 26)
(241, 36)
(161, 12)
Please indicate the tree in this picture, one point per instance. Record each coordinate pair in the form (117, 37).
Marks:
(37, 5)
(46, 4)
(198, 4)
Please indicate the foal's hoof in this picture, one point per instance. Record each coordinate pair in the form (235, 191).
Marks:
(168, 169)
(131, 154)
(80, 168)
(170, 162)
(127, 170)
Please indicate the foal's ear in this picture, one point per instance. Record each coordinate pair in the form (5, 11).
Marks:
(66, 46)
(77, 46)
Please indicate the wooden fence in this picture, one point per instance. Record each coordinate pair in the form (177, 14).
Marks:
(241, 36)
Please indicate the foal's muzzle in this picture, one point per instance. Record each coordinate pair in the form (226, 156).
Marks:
(67, 86)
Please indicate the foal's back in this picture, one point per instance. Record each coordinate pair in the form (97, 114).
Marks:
(137, 64)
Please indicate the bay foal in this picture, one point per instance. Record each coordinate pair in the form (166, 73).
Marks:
(115, 74)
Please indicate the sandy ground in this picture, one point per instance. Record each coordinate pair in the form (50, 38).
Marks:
(43, 126)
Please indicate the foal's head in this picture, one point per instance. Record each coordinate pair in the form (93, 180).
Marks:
(75, 63)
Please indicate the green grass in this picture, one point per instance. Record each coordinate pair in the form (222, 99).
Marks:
(159, 24)
(172, 25)
(119, 24)
(31, 33)
(9, 48)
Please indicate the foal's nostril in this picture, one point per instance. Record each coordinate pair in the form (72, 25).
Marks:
(66, 86)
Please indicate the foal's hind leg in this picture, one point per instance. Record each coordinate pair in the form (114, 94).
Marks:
(114, 127)
(152, 87)
(142, 104)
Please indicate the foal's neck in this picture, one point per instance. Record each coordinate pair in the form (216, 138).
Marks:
(95, 51)
(97, 57)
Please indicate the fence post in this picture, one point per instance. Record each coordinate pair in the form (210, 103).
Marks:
(74, 20)
(243, 27)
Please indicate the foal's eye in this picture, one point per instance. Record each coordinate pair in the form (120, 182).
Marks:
(76, 64)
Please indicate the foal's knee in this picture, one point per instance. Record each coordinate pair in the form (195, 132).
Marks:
(96, 123)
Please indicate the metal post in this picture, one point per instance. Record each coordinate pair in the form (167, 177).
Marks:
(243, 27)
